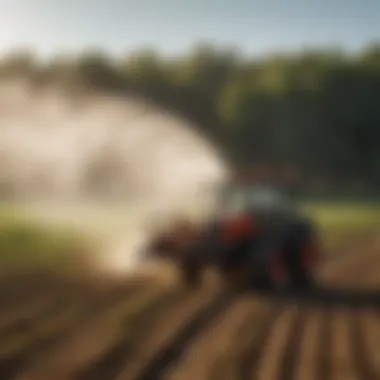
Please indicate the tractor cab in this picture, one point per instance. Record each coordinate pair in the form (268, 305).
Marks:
(239, 198)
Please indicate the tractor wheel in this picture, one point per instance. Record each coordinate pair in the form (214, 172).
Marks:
(299, 255)
(276, 271)
(191, 270)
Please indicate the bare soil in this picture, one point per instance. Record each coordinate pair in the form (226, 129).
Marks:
(55, 328)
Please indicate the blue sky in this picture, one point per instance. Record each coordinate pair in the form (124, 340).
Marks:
(172, 26)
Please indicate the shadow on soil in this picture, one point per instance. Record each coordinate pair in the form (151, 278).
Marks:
(323, 296)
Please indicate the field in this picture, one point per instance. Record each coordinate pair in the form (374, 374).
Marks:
(74, 327)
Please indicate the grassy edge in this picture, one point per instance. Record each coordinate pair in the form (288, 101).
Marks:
(24, 242)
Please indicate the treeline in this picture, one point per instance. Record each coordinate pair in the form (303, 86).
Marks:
(317, 110)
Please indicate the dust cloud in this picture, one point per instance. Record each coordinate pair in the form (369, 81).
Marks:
(105, 164)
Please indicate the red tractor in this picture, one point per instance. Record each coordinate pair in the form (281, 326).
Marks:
(257, 238)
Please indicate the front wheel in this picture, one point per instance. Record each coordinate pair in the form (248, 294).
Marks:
(191, 271)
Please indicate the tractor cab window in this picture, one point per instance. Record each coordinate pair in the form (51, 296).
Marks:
(264, 197)
(241, 198)
(236, 201)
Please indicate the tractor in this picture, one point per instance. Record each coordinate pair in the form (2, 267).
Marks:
(256, 238)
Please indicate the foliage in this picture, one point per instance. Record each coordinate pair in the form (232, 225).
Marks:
(317, 110)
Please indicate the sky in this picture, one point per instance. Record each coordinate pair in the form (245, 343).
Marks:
(51, 27)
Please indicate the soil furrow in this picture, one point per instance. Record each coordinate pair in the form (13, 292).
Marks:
(307, 359)
(111, 362)
(174, 350)
(250, 360)
(323, 358)
(274, 349)
(342, 350)
(56, 350)
(289, 362)
(361, 354)
(211, 355)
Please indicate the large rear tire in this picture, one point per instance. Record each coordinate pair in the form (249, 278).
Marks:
(299, 248)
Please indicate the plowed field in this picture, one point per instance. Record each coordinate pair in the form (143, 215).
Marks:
(54, 328)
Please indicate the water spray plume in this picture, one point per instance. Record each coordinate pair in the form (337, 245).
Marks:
(106, 163)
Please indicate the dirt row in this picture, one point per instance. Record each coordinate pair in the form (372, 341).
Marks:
(55, 328)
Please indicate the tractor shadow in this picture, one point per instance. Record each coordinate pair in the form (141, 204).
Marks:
(325, 297)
